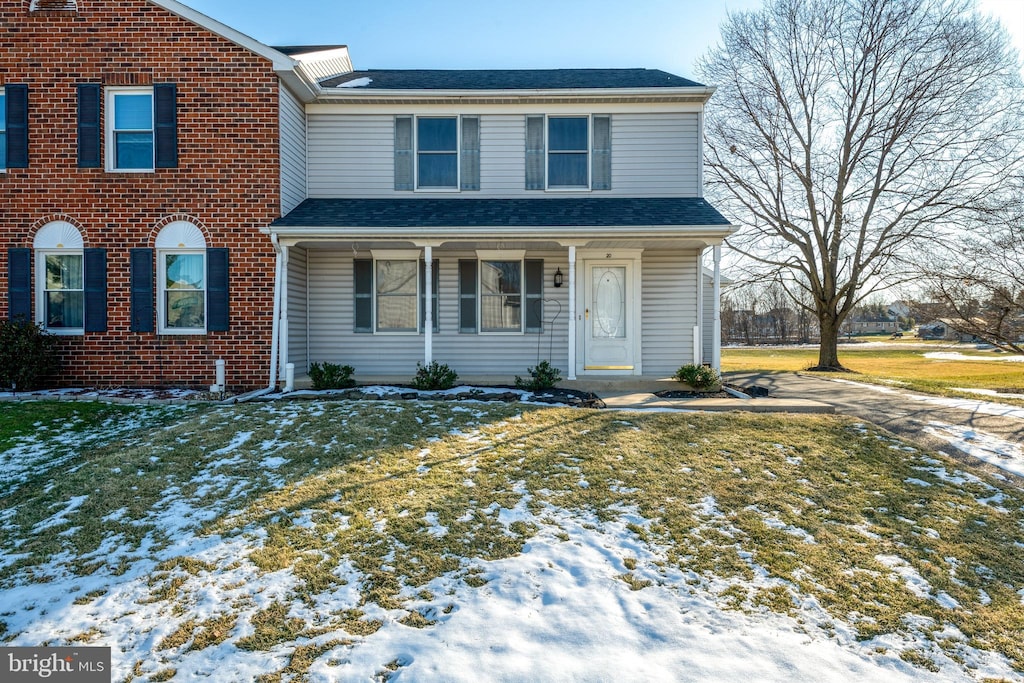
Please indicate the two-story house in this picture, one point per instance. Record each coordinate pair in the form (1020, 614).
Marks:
(143, 155)
(491, 219)
(179, 193)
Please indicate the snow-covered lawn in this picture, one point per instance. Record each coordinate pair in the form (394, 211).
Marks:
(340, 541)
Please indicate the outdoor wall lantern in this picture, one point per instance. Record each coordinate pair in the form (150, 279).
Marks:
(558, 277)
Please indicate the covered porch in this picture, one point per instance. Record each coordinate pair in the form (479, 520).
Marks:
(599, 302)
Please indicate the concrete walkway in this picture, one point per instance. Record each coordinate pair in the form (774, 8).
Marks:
(639, 394)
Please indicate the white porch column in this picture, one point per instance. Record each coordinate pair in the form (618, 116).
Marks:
(698, 329)
(428, 315)
(572, 313)
(716, 332)
(283, 330)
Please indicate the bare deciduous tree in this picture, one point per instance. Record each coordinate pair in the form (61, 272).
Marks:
(845, 133)
(976, 282)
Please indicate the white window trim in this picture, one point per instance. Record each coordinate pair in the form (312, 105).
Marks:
(161, 293)
(458, 154)
(3, 106)
(108, 111)
(41, 290)
(414, 255)
(500, 255)
(547, 153)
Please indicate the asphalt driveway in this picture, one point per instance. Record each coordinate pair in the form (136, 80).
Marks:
(906, 413)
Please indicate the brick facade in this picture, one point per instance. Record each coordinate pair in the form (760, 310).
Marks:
(227, 181)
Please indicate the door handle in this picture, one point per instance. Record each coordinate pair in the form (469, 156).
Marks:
(586, 313)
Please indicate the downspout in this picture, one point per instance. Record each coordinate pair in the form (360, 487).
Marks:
(276, 327)
(698, 329)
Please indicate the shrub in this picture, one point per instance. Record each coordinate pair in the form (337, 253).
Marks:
(28, 353)
(698, 376)
(331, 376)
(434, 376)
(544, 376)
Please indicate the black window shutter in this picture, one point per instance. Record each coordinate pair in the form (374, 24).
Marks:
(95, 290)
(165, 118)
(142, 290)
(217, 295)
(467, 296)
(434, 280)
(534, 287)
(19, 283)
(363, 288)
(89, 139)
(17, 125)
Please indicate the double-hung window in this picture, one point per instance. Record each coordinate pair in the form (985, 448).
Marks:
(437, 153)
(71, 281)
(568, 145)
(183, 278)
(130, 129)
(397, 295)
(501, 292)
(501, 296)
(568, 152)
(64, 291)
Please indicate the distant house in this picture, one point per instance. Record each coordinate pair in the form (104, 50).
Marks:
(176, 192)
(944, 329)
(875, 326)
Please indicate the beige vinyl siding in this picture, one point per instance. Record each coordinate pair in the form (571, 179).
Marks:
(293, 151)
(653, 154)
(669, 310)
(298, 305)
(332, 339)
(351, 155)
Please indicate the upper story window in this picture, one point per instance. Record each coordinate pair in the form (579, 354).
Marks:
(439, 153)
(568, 145)
(568, 152)
(130, 129)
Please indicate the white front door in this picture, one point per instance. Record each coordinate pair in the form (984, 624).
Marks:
(608, 335)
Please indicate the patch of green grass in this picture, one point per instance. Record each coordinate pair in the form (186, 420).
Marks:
(903, 367)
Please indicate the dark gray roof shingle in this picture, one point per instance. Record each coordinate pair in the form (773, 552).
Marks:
(511, 79)
(440, 213)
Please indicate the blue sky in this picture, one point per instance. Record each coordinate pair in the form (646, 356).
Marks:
(468, 34)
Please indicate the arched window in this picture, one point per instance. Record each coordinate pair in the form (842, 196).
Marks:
(60, 278)
(181, 279)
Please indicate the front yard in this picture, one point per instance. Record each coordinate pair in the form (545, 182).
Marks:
(930, 367)
(465, 541)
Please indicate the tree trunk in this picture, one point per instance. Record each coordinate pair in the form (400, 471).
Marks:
(828, 349)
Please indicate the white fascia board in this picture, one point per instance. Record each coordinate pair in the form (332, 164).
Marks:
(283, 64)
(703, 93)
